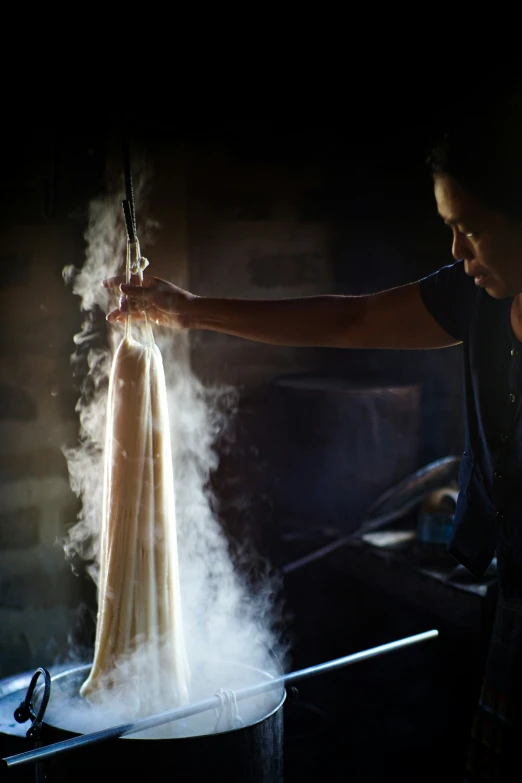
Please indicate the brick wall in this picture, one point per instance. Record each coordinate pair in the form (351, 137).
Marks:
(39, 595)
(248, 237)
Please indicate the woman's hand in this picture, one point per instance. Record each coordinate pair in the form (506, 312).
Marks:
(164, 303)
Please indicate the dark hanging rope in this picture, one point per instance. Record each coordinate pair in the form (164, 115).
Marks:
(129, 220)
(128, 204)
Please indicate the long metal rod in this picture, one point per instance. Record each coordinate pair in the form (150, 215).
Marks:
(33, 756)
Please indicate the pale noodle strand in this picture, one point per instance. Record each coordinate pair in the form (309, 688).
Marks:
(227, 711)
(139, 603)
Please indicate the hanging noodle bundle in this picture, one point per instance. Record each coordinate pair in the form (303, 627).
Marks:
(139, 606)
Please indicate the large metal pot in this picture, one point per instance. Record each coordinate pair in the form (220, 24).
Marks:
(13, 738)
(253, 752)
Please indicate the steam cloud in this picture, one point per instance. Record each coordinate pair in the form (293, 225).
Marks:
(223, 617)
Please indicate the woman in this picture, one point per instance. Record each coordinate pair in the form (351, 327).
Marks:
(477, 301)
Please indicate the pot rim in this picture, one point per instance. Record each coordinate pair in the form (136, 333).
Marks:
(87, 667)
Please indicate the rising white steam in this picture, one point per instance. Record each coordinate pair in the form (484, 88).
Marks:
(224, 619)
(105, 251)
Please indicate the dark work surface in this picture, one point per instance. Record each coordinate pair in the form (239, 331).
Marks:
(405, 715)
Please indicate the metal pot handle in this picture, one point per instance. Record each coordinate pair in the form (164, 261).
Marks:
(26, 709)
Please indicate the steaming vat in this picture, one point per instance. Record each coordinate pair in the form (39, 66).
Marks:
(261, 750)
(253, 752)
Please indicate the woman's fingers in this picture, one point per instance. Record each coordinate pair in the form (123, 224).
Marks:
(154, 316)
(161, 297)
(115, 316)
(162, 301)
(135, 290)
(135, 306)
(116, 282)
(135, 298)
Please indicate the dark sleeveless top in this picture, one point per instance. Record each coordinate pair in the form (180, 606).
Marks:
(489, 507)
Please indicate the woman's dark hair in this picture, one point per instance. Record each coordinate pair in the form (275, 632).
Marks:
(482, 151)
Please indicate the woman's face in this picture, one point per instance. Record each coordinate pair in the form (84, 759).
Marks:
(489, 243)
